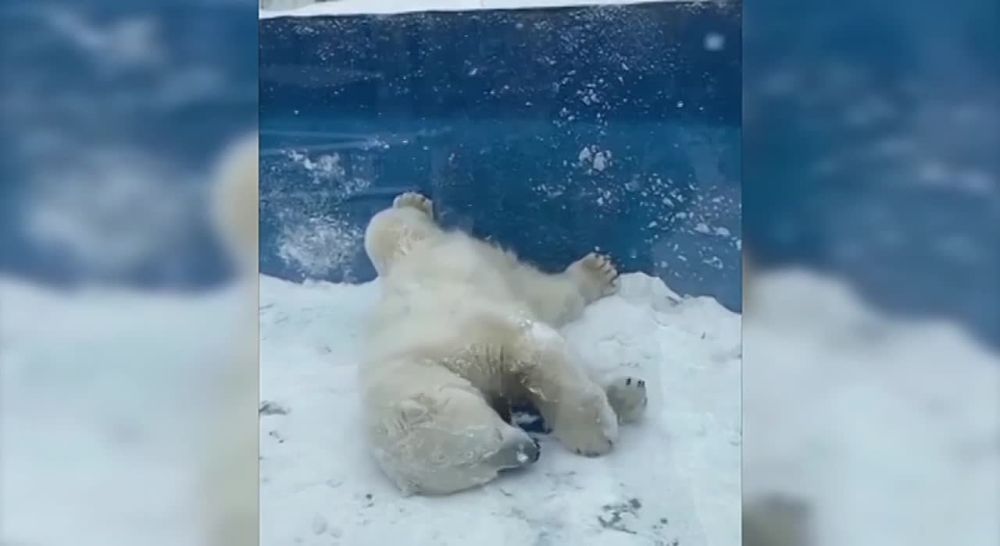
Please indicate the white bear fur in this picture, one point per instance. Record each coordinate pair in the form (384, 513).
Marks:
(462, 325)
(230, 477)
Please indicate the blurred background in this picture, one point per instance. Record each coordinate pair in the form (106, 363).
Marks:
(121, 321)
(871, 326)
(870, 220)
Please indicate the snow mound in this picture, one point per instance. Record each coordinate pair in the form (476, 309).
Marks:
(884, 427)
(673, 477)
(103, 401)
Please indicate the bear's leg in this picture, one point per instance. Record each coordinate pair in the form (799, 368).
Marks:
(393, 232)
(560, 298)
(571, 402)
(448, 439)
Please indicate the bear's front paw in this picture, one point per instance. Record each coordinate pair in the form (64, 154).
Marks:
(586, 425)
(596, 276)
(414, 200)
(627, 397)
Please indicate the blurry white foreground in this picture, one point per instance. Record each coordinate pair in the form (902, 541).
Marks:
(105, 399)
(129, 416)
(672, 479)
(886, 431)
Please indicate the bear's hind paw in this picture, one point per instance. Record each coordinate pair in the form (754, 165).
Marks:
(627, 397)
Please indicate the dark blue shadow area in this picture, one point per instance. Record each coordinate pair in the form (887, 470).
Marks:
(548, 131)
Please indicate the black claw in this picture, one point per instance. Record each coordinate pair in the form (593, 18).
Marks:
(642, 383)
(538, 450)
(628, 380)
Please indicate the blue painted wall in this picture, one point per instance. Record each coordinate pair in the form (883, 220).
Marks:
(548, 131)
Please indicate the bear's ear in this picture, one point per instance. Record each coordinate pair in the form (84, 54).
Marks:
(412, 412)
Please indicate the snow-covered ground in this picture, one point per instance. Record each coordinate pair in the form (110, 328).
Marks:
(672, 479)
(307, 8)
(104, 395)
(887, 430)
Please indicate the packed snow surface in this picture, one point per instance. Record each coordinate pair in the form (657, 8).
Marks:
(101, 400)
(673, 477)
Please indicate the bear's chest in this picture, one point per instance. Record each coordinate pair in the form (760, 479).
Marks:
(489, 369)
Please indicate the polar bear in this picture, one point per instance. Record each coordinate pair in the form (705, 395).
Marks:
(463, 329)
(230, 475)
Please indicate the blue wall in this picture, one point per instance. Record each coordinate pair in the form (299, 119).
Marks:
(548, 131)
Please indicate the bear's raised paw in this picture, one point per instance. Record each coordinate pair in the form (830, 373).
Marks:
(596, 275)
(414, 200)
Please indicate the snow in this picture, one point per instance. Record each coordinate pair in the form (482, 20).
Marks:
(356, 7)
(319, 245)
(103, 397)
(876, 422)
(715, 41)
(595, 160)
(673, 477)
(885, 428)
